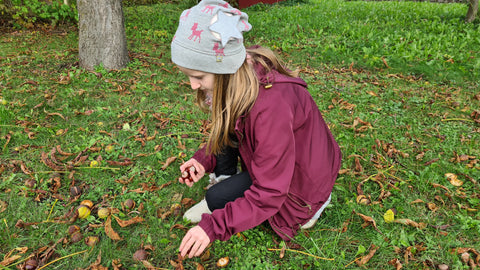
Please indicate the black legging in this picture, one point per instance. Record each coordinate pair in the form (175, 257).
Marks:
(228, 190)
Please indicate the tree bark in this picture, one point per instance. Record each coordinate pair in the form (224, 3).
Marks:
(472, 11)
(101, 38)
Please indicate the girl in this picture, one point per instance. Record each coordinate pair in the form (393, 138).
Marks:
(262, 115)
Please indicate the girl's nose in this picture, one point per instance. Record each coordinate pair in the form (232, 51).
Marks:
(194, 84)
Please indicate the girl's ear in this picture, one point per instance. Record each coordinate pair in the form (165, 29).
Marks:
(249, 59)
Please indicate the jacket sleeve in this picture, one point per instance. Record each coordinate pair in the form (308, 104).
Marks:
(208, 161)
(271, 166)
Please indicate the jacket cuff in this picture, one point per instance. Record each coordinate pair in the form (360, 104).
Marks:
(208, 161)
(206, 225)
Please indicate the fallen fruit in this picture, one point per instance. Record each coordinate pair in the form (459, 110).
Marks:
(140, 255)
(222, 262)
(83, 211)
(30, 183)
(75, 191)
(103, 212)
(187, 174)
(362, 199)
(91, 241)
(31, 264)
(87, 203)
(129, 204)
(176, 209)
(76, 237)
(73, 229)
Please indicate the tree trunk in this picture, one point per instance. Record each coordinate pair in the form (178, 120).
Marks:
(101, 38)
(472, 11)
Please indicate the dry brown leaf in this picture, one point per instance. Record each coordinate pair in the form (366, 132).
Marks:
(9, 260)
(453, 179)
(464, 250)
(367, 220)
(433, 207)
(109, 230)
(409, 222)
(168, 162)
(126, 162)
(179, 226)
(431, 161)
(96, 264)
(125, 223)
(396, 263)
(440, 186)
(148, 265)
(3, 206)
(199, 266)
(417, 201)
(358, 165)
(372, 93)
(366, 258)
(420, 156)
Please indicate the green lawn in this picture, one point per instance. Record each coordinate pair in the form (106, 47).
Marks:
(397, 83)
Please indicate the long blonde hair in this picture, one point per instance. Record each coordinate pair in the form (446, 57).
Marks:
(235, 94)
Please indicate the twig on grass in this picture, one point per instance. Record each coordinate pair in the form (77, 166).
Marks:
(64, 257)
(179, 133)
(305, 253)
(51, 210)
(103, 168)
(352, 262)
(457, 119)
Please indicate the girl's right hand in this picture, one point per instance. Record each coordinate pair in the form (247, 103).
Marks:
(196, 175)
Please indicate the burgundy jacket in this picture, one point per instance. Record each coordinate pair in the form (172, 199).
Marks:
(291, 156)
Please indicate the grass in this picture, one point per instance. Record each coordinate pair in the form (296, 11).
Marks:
(402, 124)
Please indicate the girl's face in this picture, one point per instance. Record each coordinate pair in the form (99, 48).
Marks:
(201, 81)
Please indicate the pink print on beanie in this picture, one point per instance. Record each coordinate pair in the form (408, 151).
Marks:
(208, 9)
(218, 51)
(195, 33)
(184, 17)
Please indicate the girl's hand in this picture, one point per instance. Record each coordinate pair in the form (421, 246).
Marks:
(194, 242)
(196, 175)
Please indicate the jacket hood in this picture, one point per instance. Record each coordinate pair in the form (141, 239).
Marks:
(271, 77)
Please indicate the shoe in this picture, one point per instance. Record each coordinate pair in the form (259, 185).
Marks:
(309, 224)
(312, 221)
(216, 179)
(194, 214)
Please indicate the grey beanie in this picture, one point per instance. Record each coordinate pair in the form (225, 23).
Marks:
(209, 38)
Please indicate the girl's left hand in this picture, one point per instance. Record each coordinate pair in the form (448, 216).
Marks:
(195, 241)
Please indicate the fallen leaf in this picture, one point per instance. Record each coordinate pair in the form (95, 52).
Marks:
(396, 263)
(409, 222)
(125, 223)
(433, 207)
(440, 186)
(453, 179)
(10, 260)
(148, 265)
(367, 220)
(109, 230)
(168, 162)
(3, 206)
(431, 161)
(179, 226)
(389, 216)
(366, 258)
(417, 201)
